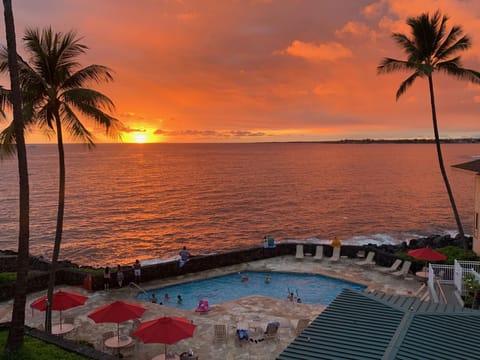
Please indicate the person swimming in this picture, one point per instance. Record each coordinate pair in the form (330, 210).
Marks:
(267, 279)
(179, 299)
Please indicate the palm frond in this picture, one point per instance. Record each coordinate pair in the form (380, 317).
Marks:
(78, 97)
(75, 127)
(8, 145)
(406, 44)
(407, 83)
(389, 65)
(461, 45)
(451, 68)
(96, 73)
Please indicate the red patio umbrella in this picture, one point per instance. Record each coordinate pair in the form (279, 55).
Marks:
(117, 312)
(165, 330)
(427, 254)
(61, 300)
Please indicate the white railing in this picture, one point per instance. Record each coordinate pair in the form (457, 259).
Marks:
(458, 276)
(439, 275)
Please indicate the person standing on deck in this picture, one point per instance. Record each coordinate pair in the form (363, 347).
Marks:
(137, 271)
(106, 278)
(120, 276)
(184, 256)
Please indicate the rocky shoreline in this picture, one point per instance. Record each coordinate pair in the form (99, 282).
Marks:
(70, 273)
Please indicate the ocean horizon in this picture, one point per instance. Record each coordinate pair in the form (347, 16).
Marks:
(145, 201)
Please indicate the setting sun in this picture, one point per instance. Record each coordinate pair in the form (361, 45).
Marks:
(140, 138)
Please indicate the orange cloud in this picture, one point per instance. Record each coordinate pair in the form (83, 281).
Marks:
(317, 52)
(211, 70)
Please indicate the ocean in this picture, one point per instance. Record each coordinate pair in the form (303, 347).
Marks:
(147, 201)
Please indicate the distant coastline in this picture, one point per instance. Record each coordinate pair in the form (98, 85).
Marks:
(343, 141)
(394, 141)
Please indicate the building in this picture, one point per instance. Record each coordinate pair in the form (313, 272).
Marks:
(474, 166)
(374, 326)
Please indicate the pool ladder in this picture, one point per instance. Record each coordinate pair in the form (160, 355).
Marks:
(139, 288)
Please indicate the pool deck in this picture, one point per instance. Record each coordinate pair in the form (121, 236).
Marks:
(256, 311)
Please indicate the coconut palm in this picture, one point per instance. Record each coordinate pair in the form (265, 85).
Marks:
(16, 333)
(54, 89)
(432, 47)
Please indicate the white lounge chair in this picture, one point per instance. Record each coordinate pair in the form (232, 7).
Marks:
(299, 254)
(318, 252)
(392, 268)
(404, 270)
(369, 260)
(301, 325)
(335, 255)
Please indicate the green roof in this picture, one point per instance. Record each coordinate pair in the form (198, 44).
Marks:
(358, 325)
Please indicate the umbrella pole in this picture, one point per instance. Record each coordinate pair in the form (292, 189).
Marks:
(165, 351)
(60, 319)
(118, 332)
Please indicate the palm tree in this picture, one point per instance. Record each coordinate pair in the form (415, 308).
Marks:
(432, 47)
(16, 333)
(54, 88)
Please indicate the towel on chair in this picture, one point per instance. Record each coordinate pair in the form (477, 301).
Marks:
(242, 334)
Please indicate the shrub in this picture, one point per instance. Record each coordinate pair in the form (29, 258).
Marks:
(8, 278)
(455, 252)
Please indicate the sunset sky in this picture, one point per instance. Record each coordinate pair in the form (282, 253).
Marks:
(261, 70)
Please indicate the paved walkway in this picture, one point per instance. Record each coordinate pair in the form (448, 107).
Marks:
(254, 310)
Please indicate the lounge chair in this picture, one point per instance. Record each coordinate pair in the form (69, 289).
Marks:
(271, 332)
(404, 270)
(392, 268)
(368, 260)
(335, 255)
(219, 333)
(302, 324)
(318, 253)
(299, 254)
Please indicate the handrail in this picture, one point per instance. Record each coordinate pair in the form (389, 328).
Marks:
(139, 288)
(442, 293)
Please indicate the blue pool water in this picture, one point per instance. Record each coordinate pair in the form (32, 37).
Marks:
(312, 289)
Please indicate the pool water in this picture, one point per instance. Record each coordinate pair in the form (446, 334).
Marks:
(310, 288)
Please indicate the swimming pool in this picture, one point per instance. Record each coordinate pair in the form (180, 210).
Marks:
(310, 288)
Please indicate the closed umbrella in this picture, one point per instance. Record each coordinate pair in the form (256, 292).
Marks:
(164, 330)
(61, 300)
(117, 312)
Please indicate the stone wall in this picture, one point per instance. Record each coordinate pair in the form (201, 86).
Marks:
(72, 274)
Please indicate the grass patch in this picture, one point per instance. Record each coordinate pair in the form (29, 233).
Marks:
(34, 349)
(87, 270)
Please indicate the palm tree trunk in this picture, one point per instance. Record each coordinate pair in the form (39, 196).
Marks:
(59, 230)
(17, 328)
(442, 166)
